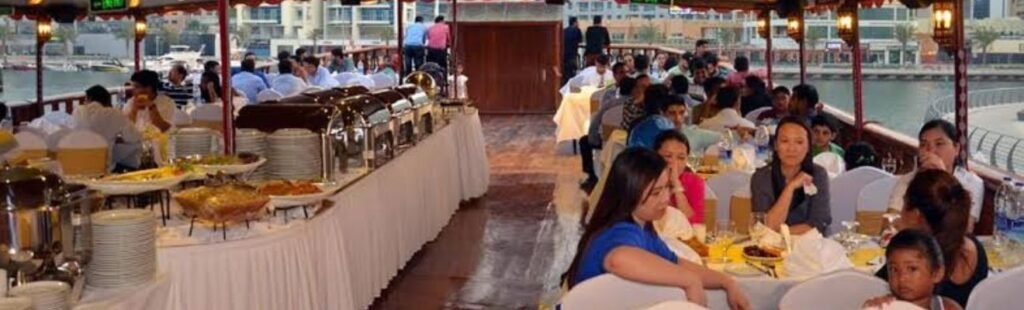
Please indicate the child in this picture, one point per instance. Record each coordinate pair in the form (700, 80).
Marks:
(915, 267)
(823, 131)
(462, 91)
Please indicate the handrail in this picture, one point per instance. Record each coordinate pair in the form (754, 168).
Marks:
(1002, 153)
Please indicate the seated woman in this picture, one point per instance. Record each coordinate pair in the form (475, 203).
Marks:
(620, 239)
(915, 261)
(687, 186)
(938, 150)
(792, 189)
(935, 202)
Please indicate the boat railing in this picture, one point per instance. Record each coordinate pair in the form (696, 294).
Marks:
(369, 57)
(996, 149)
(26, 111)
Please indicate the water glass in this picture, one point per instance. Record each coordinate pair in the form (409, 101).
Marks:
(725, 235)
(848, 238)
(756, 218)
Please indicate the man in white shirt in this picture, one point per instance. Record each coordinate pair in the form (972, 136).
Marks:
(286, 82)
(597, 76)
(99, 116)
(317, 75)
(728, 118)
(247, 81)
(147, 108)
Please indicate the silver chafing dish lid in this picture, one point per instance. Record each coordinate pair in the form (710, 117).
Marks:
(27, 188)
(394, 99)
(369, 108)
(416, 96)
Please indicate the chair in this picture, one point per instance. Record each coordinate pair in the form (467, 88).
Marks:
(31, 145)
(710, 207)
(54, 138)
(344, 77)
(740, 209)
(872, 202)
(595, 100)
(268, 95)
(383, 80)
(610, 292)
(846, 289)
(361, 80)
(724, 185)
(208, 116)
(83, 152)
(845, 189)
(832, 162)
(676, 305)
(756, 113)
(616, 144)
(1001, 291)
(181, 118)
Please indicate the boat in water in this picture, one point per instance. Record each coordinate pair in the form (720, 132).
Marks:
(179, 54)
(112, 65)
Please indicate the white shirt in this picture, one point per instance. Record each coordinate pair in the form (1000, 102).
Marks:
(111, 123)
(323, 78)
(970, 181)
(288, 84)
(164, 105)
(462, 92)
(725, 120)
(589, 77)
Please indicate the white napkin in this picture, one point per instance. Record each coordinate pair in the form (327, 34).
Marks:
(744, 157)
(896, 305)
(674, 225)
(766, 237)
(813, 254)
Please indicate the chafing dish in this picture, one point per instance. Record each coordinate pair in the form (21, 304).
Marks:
(423, 92)
(402, 115)
(370, 116)
(45, 222)
(318, 118)
(327, 96)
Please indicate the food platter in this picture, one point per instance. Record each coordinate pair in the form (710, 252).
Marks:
(222, 203)
(285, 194)
(137, 182)
(231, 165)
(762, 255)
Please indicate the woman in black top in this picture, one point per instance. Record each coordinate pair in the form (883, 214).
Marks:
(936, 203)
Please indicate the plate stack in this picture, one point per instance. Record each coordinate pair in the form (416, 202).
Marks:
(44, 295)
(192, 141)
(255, 142)
(293, 154)
(124, 248)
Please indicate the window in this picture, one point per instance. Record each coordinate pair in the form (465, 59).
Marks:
(584, 6)
(375, 14)
(879, 33)
(265, 14)
(820, 31)
(877, 14)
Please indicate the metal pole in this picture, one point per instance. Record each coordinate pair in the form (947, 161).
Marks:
(39, 75)
(768, 53)
(960, 61)
(803, 61)
(225, 76)
(455, 45)
(401, 36)
(138, 64)
(858, 82)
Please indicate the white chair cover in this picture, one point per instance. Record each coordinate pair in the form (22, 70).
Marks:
(845, 189)
(30, 140)
(753, 115)
(181, 118)
(609, 292)
(676, 305)
(268, 95)
(344, 77)
(81, 139)
(832, 162)
(725, 185)
(238, 102)
(208, 112)
(362, 80)
(846, 289)
(381, 80)
(1001, 291)
(875, 195)
(54, 138)
(51, 122)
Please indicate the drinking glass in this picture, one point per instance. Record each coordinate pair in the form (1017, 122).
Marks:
(889, 230)
(848, 238)
(725, 235)
(756, 218)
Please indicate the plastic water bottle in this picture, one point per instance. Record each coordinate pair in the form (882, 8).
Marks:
(1014, 214)
(1000, 206)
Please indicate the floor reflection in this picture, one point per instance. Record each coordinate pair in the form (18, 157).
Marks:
(506, 250)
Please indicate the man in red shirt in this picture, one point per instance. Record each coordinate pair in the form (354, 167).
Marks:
(438, 41)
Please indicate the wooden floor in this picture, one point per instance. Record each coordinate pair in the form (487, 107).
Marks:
(508, 249)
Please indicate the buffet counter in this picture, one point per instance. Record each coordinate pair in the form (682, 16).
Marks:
(343, 257)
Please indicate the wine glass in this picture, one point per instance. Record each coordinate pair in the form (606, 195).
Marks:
(755, 219)
(762, 137)
(889, 230)
(849, 235)
(725, 235)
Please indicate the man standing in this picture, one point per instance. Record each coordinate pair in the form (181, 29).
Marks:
(247, 81)
(438, 40)
(317, 75)
(175, 87)
(570, 50)
(598, 40)
(413, 49)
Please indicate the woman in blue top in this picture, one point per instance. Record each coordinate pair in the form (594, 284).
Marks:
(621, 240)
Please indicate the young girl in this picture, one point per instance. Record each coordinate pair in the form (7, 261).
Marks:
(915, 267)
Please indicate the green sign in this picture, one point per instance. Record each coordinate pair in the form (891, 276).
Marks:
(6, 10)
(100, 6)
(657, 2)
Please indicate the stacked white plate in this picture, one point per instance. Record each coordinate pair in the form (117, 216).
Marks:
(45, 295)
(293, 154)
(255, 142)
(124, 248)
(192, 141)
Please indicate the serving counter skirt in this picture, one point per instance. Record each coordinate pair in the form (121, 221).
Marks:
(344, 257)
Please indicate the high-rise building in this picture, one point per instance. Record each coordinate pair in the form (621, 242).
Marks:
(627, 22)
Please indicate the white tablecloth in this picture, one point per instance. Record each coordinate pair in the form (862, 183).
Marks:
(573, 115)
(345, 256)
(152, 295)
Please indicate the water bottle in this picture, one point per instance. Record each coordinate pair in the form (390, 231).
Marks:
(1000, 206)
(1014, 214)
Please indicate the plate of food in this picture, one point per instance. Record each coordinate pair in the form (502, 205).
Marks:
(295, 193)
(227, 164)
(762, 254)
(138, 182)
(222, 203)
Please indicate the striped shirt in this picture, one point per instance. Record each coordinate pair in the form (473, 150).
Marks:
(180, 94)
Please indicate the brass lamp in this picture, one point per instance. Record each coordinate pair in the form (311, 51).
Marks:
(847, 22)
(795, 25)
(764, 21)
(942, 24)
(140, 29)
(44, 30)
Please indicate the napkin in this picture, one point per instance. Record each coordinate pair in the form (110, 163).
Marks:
(744, 157)
(813, 254)
(896, 305)
(674, 225)
(766, 237)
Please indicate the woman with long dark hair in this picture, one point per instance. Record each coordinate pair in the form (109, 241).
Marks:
(620, 239)
(936, 202)
(938, 148)
(792, 190)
